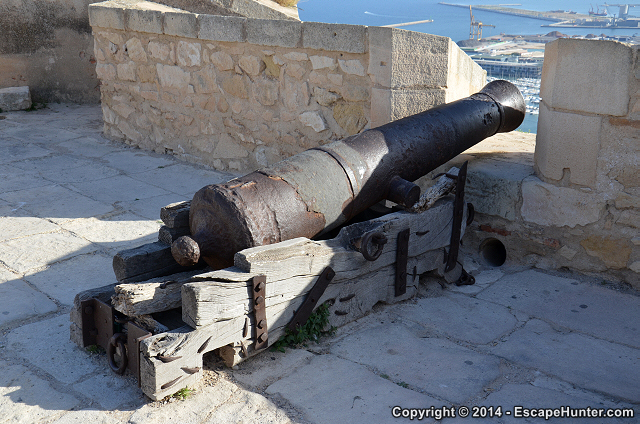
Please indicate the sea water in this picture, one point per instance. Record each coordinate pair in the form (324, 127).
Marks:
(454, 22)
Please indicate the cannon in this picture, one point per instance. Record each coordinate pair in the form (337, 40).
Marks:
(320, 189)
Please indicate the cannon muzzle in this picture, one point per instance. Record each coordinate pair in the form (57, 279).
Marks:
(322, 188)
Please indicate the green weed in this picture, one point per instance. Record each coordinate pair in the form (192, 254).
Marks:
(311, 330)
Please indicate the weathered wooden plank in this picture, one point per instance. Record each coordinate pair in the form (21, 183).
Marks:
(168, 235)
(146, 262)
(151, 296)
(441, 188)
(176, 215)
(292, 266)
(103, 294)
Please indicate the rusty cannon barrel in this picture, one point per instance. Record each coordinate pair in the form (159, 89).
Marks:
(322, 188)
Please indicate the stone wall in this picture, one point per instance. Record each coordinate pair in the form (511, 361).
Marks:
(240, 93)
(48, 46)
(575, 202)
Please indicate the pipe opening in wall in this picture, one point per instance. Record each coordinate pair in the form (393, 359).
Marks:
(493, 252)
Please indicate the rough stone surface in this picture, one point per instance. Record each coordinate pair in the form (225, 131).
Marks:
(379, 347)
(593, 310)
(363, 396)
(548, 205)
(556, 352)
(15, 98)
(460, 317)
(313, 120)
(18, 301)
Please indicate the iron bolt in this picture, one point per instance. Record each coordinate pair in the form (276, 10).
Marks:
(262, 337)
(88, 310)
(258, 287)
(259, 300)
(261, 324)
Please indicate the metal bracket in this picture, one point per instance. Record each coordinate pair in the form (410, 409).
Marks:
(259, 284)
(304, 311)
(402, 257)
(98, 328)
(458, 214)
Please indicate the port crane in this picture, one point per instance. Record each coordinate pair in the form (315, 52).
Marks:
(624, 9)
(475, 31)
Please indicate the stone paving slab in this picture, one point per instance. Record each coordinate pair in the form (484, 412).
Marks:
(582, 360)
(68, 204)
(18, 301)
(15, 179)
(483, 280)
(265, 369)
(51, 164)
(531, 397)
(182, 179)
(150, 208)
(89, 416)
(192, 410)
(461, 317)
(35, 251)
(13, 227)
(11, 152)
(89, 271)
(110, 391)
(46, 345)
(115, 232)
(334, 390)
(435, 366)
(118, 188)
(41, 134)
(26, 398)
(88, 147)
(262, 410)
(591, 309)
(134, 161)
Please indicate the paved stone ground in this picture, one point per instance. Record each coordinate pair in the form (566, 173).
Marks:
(69, 200)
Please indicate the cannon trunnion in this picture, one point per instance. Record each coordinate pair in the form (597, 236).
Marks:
(319, 189)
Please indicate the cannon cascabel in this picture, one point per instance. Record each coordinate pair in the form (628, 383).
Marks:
(322, 188)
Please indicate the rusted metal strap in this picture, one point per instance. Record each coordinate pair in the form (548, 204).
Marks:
(402, 257)
(304, 311)
(99, 324)
(458, 214)
(259, 284)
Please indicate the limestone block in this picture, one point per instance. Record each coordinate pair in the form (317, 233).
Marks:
(181, 24)
(146, 74)
(15, 98)
(204, 81)
(602, 84)
(228, 148)
(380, 106)
(380, 46)
(268, 32)
(314, 120)
(101, 15)
(549, 205)
(626, 201)
(266, 91)
(321, 62)
(350, 117)
(354, 93)
(334, 37)
(126, 71)
(567, 141)
(493, 186)
(135, 50)
(325, 97)
(635, 267)
(173, 76)
(251, 65)
(272, 68)
(419, 60)
(189, 54)
(353, 67)
(235, 86)
(465, 77)
(405, 102)
(295, 94)
(221, 28)
(615, 253)
(629, 218)
(106, 72)
(296, 56)
(264, 10)
(144, 20)
(158, 50)
(222, 61)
